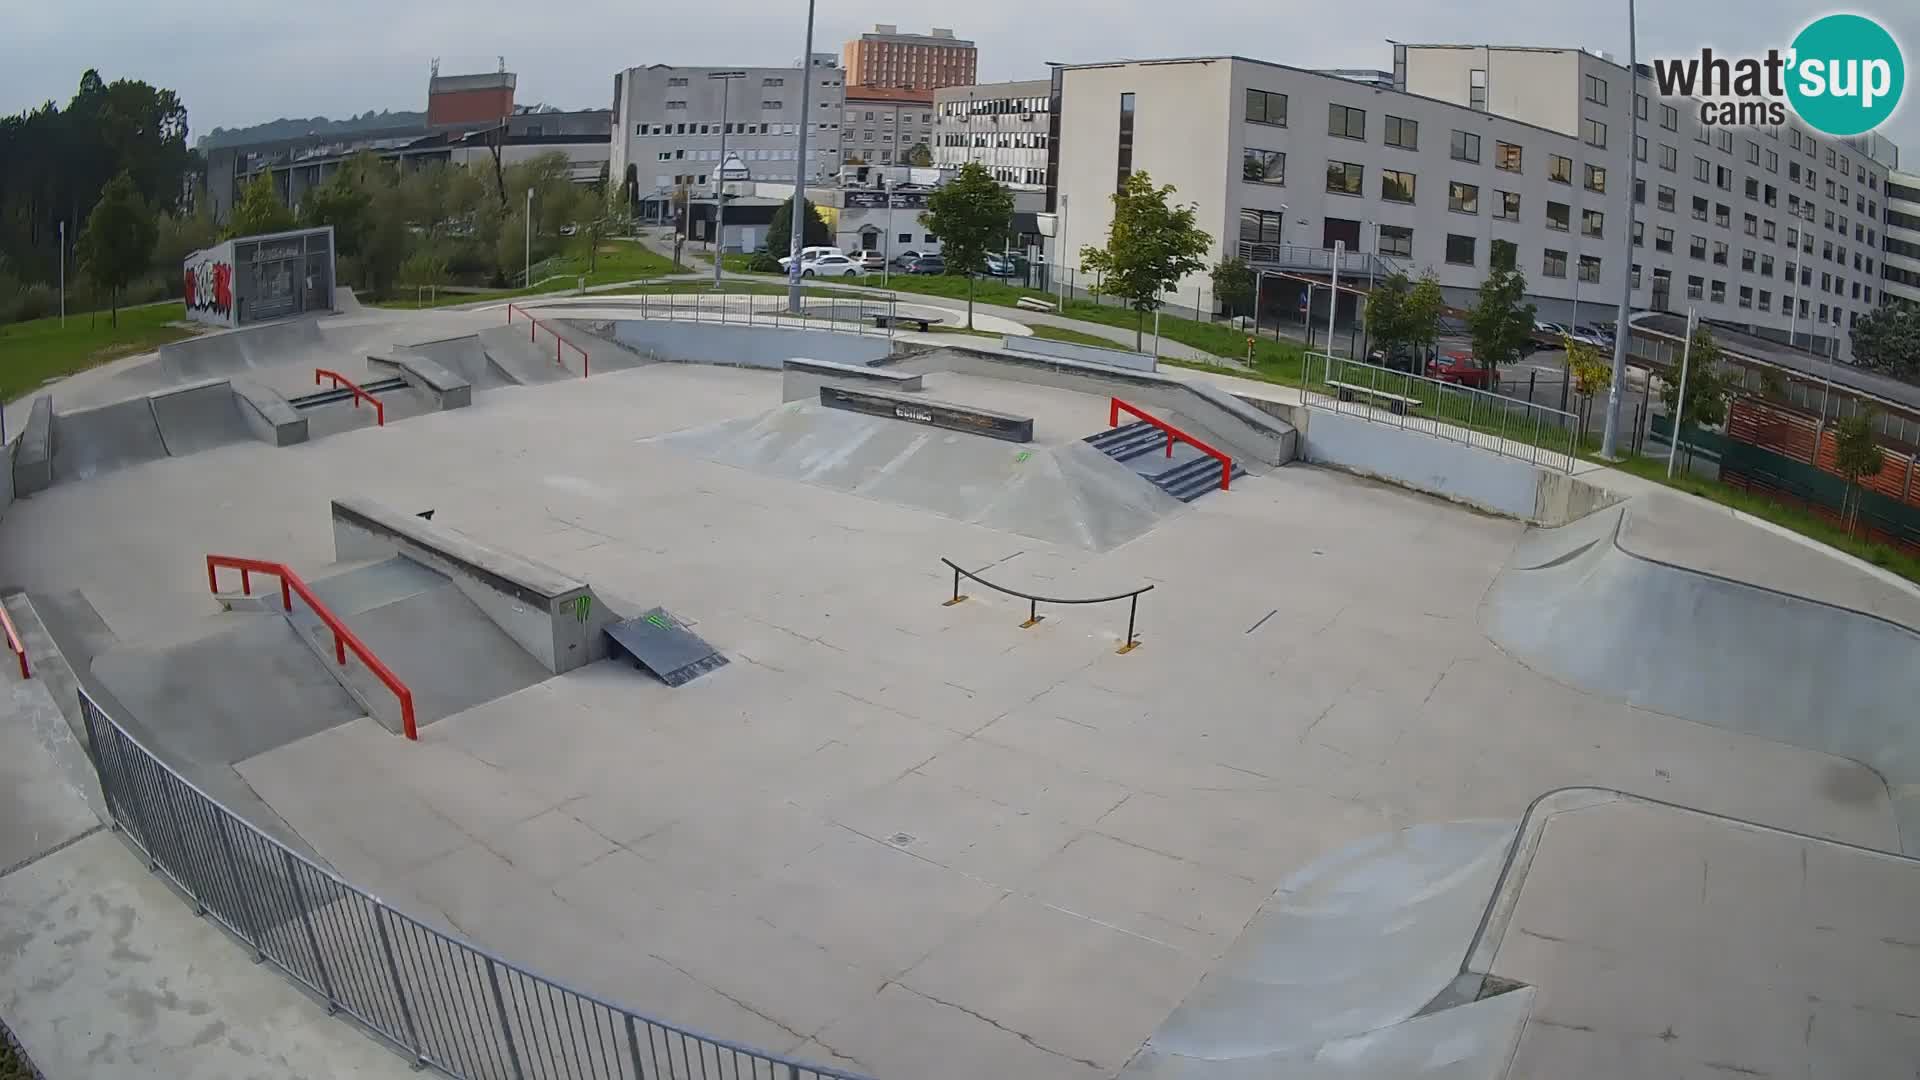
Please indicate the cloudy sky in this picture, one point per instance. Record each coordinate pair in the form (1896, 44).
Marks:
(238, 62)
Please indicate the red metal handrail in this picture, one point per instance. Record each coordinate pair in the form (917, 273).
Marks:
(343, 638)
(1115, 407)
(534, 326)
(339, 380)
(14, 644)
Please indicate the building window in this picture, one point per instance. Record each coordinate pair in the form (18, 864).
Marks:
(1506, 157)
(1593, 132)
(1559, 215)
(1773, 161)
(1669, 157)
(1766, 300)
(1753, 152)
(1670, 118)
(1463, 198)
(1403, 133)
(1592, 222)
(1559, 169)
(1663, 239)
(1264, 167)
(1633, 275)
(1722, 215)
(1747, 260)
(1596, 90)
(1640, 191)
(1507, 205)
(1261, 226)
(1126, 141)
(1724, 140)
(1753, 189)
(1266, 108)
(1466, 146)
(1697, 248)
(1396, 240)
(1396, 186)
(1639, 148)
(1750, 224)
(1723, 178)
(1476, 100)
(1664, 198)
(1639, 234)
(1719, 294)
(1344, 177)
(1766, 266)
(1346, 123)
(775, 81)
(1460, 249)
(1696, 287)
(676, 82)
(1703, 170)
(1640, 106)
(1590, 268)
(1597, 179)
(1553, 264)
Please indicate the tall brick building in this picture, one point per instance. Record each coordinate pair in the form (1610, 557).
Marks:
(890, 59)
(467, 99)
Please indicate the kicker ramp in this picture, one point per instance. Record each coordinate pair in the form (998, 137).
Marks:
(554, 617)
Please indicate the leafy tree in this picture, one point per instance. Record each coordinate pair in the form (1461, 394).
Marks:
(1386, 311)
(1588, 368)
(780, 230)
(1857, 455)
(259, 210)
(341, 202)
(1424, 307)
(1501, 325)
(1709, 388)
(920, 156)
(180, 235)
(1151, 245)
(969, 213)
(1888, 339)
(1233, 285)
(117, 243)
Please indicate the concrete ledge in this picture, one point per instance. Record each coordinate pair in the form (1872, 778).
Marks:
(554, 617)
(447, 389)
(746, 346)
(1092, 354)
(941, 414)
(33, 454)
(801, 379)
(268, 415)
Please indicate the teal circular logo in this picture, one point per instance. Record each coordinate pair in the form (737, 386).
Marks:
(1846, 74)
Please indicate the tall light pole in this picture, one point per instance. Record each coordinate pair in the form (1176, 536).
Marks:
(527, 281)
(1623, 329)
(886, 267)
(797, 220)
(720, 176)
(63, 273)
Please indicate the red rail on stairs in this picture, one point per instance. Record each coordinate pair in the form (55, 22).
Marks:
(339, 380)
(14, 644)
(1115, 407)
(535, 325)
(343, 638)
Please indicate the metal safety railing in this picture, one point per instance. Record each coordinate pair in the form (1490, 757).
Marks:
(444, 1002)
(1034, 618)
(535, 325)
(1115, 407)
(846, 315)
(343, 638)
(1519, 429)
(342, 382)
(14, 645)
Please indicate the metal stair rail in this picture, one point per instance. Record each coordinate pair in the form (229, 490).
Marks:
(1186, 481)
(1353, 264)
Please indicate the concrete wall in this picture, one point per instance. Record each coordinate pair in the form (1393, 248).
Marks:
(33, 456)
(210, 285)
(447, 389)
(557, 619)
(746, 346)
(1092, 354)
(802, 379)
(6, 475)
(268, 415)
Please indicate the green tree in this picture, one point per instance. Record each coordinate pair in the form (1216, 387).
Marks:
(1151, 245)
(342, 203)
(969, 214)
(1709, 388)
(780, 230)
(1888, 339)
(1405, 315)
(1501, 323)
(117, 244)
(180, 235)
(1857, 455)
(919, 156)
(1424, 307)
(1233, 285)
(259, 210)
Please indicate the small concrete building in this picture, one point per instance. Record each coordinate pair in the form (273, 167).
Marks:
(252, 279)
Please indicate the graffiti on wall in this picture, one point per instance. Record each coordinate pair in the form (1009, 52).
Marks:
(209, 287)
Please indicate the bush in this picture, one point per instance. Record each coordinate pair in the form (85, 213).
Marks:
(764, 262)
(29, 302)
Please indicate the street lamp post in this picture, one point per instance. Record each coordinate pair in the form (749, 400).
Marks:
(886, 242)
(527, 281)
(720, 176)
(797, 233)
(1610, 434)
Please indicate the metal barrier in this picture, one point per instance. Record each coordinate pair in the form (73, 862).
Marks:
(839, 314)
(341, 381)
(1115, 407)
(1518, 429)
(1033, 602)
(442, 1001)
(534, 326)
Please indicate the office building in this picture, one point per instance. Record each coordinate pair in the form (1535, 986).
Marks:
(468, 99)
(1901, 274)
(667, 127)
(888, 58)
(1003, 126)
(883, 125)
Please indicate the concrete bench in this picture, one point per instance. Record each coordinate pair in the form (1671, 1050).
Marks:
(1031, 304)
(924, 322)
(1398, 403)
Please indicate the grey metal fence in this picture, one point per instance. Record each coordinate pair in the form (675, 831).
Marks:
(847, 315)
(441, 1001)
(1504, 425)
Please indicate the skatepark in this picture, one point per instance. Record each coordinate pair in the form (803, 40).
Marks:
(658, 698)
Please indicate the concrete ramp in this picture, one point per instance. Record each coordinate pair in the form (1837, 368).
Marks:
(466, 357)
(200, 417)
(92, 442)
(221, 354)
(516, 361)
(1069, 494)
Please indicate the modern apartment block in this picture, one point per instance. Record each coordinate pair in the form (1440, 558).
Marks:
(883, 125)
(1775, 230)
(1901, 272)
(888, 58)
(667, 127)
(1000, 125)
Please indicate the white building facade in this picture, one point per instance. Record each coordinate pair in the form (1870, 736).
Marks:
(667, 127)
(1003, 126)
(1901, 274)
(883, 126)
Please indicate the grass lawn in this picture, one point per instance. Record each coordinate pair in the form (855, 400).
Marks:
(618, 260)
(31, 353)
(1061, 333)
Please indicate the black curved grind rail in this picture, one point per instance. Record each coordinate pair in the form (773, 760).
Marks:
(1033, 602)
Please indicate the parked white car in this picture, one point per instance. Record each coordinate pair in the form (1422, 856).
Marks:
(834, 265)
(808, 255)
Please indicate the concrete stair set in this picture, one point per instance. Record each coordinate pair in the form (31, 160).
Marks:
(1190, 473)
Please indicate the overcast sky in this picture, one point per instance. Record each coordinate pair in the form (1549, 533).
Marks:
(238, 62)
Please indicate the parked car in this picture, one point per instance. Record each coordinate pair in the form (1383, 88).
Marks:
(999, 265)
(1593, 335)
(926, 264)
(832, 265)
(1548, 335)
(1462, 368)
(907, 256)
(809, 255)
(1402, 358)
(870, 261)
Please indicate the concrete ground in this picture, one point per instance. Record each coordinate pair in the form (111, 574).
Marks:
(910, 839)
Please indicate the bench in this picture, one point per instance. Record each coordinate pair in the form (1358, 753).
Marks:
(1032, 304)
(1398, 403)
(924, 322)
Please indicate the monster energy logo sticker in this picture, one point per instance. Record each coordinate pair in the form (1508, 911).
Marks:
(660, 621)
(582, 607)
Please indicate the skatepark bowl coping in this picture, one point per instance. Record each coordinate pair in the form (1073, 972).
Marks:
(1034, 602)
(343, 638)
(339, 380)
(1115, 407)
(534, 326)
(440, 1000)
